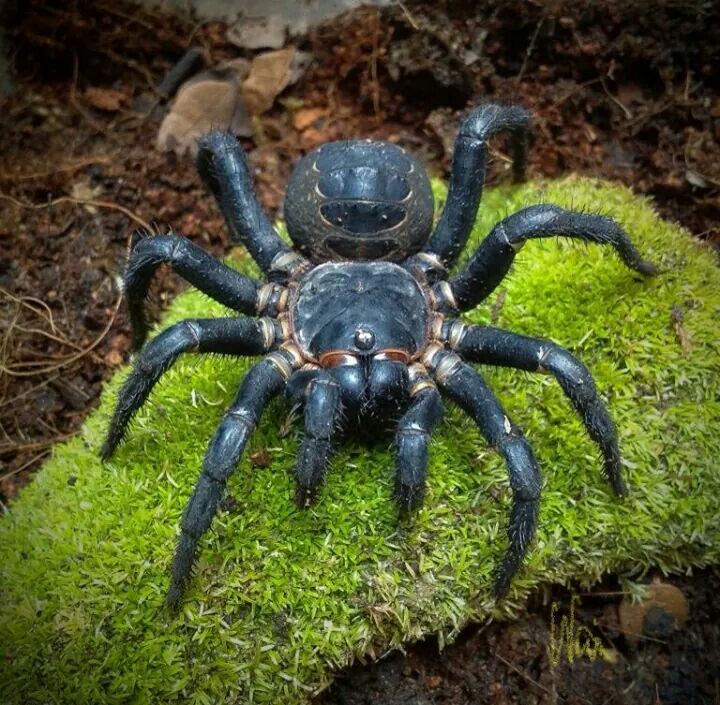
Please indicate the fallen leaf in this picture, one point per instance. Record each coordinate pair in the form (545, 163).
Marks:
(197, 109)
(305, 117)
(85, 191)
(270, 74)
(258, 32)
(662, 600)
(209, 100)
(261, 459)
(104, 98)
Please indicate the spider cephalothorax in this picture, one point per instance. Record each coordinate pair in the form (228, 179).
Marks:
(362, 321)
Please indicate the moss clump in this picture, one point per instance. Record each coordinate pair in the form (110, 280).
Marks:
(282, 597)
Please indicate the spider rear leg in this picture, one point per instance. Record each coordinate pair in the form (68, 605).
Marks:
(203, 271)
(492, 346)
(260, 385)
(322, 413)
(227, 336)
(468, 389)
(412, 438)
(491, 261)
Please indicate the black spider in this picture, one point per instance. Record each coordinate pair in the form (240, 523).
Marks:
(361, 320)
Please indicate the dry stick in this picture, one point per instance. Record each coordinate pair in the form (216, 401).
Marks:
(74, 166)
(617, 101)
(71, 358)
(410, 18)
(81, 202)
(529, 50)
(522, 673)
(35, 445)
(25, 301)
(24, 465)
(32, 389)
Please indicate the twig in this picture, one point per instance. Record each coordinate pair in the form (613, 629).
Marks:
(24, 465)
(23, 301)
(522, 673)
(81, 202)
(628, 113)
(74, 166)
(573, 92)
(71, 358)
(35, 445)
(74, 101)
(529, 50)
(408, 16)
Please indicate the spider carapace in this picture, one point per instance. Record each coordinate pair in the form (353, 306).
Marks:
(359, 321)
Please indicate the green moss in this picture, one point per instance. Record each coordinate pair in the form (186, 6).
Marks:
(282, 597)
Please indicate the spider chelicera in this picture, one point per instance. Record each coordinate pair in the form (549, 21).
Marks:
(359, 320)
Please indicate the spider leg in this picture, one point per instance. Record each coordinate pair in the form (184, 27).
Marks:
(491, 346)
(261, 384)
(492, 259)
(222, 166)
(412, 438)
(468, 389)
(322, 413)
(227, 336)
(467, 178)
(203, 271)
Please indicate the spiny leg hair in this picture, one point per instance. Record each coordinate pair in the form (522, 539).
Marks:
(491, 261)
(492, 346)
(203, 271)
(260, 385)
(226, 336)
(468, 389)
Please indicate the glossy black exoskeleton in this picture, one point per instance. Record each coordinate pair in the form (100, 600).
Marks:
(360, 320)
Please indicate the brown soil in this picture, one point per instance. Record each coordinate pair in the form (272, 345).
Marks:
(616, 92)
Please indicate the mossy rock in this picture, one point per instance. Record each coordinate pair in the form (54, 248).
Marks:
(283, 597)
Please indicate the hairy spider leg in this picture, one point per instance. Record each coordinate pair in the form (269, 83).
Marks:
(412, 438)
(322, 412)
(226, 336)
(467, 176)
(222, 166)
(468, 389)
(203, 271)
(492, 346)
(263, 382)
(491, 261)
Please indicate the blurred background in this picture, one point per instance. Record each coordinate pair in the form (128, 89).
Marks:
(102, 102)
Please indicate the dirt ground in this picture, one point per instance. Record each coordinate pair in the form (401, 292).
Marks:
(617, 91)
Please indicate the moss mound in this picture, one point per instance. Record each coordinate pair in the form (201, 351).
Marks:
(282, 597)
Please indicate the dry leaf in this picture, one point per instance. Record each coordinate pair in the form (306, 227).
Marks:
(270, 74)
(305, 117)
(104, 98)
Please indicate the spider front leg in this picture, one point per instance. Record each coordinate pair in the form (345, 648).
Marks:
(261, 384)
(491, 261)
(491, 346)
(468, 389)
(226, 336)
(322, 413)
(203, 271)
(467, 179)
(222, 166)
(412, 438)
